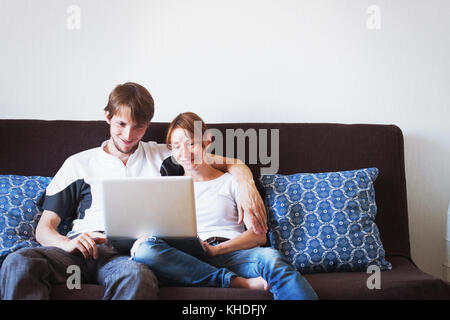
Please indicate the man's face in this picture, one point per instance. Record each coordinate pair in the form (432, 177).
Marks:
(125, 133)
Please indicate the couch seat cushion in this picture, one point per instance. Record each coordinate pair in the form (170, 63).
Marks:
(404, 281)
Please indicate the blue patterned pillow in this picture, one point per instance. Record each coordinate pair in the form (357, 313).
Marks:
(19, 213)
(324, 222)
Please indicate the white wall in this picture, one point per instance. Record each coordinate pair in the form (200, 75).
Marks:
(249, 60)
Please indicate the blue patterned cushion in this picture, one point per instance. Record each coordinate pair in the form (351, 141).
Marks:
(19, 213)
(324, 222)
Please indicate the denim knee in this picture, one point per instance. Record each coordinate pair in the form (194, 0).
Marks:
(128, 279)
(148, 252)
(269, 257)
(20, 260)
(136, 272)
(20, 273)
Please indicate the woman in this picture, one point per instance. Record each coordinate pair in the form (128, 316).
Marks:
(233, 256)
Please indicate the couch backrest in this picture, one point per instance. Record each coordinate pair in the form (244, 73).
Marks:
(39, 147)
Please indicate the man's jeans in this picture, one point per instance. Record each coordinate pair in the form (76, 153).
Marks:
(29, 273)
(174, 267)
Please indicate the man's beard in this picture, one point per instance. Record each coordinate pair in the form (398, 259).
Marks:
(122, 151)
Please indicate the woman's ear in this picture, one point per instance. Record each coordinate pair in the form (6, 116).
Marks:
(207, 140)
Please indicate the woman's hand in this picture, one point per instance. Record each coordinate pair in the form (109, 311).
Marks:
(210, 250)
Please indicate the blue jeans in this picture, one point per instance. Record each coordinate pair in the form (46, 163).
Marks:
(174, 267)
(29, 273)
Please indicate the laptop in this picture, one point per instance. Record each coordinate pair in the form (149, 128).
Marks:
(162, 207)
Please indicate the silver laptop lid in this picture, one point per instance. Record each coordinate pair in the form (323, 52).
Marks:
(160, 206)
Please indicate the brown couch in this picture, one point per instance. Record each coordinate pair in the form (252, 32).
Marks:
(38, 147)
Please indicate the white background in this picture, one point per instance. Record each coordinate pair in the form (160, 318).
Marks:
(249, 61)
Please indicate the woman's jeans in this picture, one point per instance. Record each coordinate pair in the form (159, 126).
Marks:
(174, 267)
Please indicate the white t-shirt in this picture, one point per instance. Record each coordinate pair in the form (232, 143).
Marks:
(216, 209)
(75, 191)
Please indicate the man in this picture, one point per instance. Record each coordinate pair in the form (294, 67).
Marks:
(74, 196)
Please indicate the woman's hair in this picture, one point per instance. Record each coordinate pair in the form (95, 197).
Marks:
(186, 121)
(135, 97)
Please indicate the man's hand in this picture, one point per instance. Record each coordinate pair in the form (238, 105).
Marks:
(251, 208)
(86, 243)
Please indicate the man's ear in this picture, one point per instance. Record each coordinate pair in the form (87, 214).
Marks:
(108, 119)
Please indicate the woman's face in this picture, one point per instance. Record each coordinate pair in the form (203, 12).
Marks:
(187, 151)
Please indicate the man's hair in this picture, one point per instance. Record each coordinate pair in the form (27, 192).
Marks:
(185, 121)
(135, 97)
